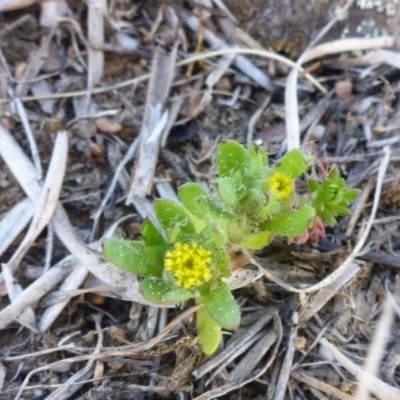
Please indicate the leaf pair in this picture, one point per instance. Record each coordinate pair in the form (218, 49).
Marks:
(220, 311)
(332, 198)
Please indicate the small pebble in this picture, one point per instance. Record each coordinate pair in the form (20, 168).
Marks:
(343, 90)
(324, 353)
(106, 126)
(20, 70)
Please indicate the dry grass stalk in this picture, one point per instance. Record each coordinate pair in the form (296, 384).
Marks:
(128, 156)
(3, 372)
(291, 103)
(247, 67)
(322, 386)
(360, 206)
(190, 59)
(70, 283)
(48, 199)
(154, 122)
(380, 389)
(315, 304)
(254, 118)
(10, 5)
(377, 348)
(95, 21)
(224, 389)
(283, 380)
(235, 347)
(14, 222)
(35, 292)
(23, 171)
(345, 45)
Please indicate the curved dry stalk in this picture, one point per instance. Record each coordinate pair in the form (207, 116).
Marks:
(48, 199)
(292, 121)
(380, 389)
(24, 172)
(351, 44)
(357, 249)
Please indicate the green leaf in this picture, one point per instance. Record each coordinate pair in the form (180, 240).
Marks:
(257, 159)
(350, 195)
(338, 210)
(215, 211)
(215, 234)
(177, 295)
(159, 292)
(330, 191)
(293, 163)
(292, 224)
(226, 191)
(170, 214)
(130, 256)
(240, 181)
(220, 263)
(268, 210)
(174, 233)
(221, 305)
(257, 241)
(154, 256)
(189, 194)
(327, 217)
(208, 332)
(313, 186)
(334, 173)
(231, 156)
(151, 236)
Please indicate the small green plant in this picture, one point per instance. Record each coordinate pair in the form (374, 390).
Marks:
(185, 252)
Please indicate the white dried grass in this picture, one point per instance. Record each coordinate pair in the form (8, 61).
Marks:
(351, 44)
(48, 198)
(35, 291)
(14, 290)
(72, 282)
(291, 103)
(254, 119)
(3, 372)
(321, 386)
(51, 11)
(19, 107)
(120, 168)
(173, 112)
(380, 389)
(10, 5)
(14, 222)
(23, 171)
(154, 121)
(35, 65)
(283, 380)
(188, 60)
(246, 66)
(377, 348)
(42, 88)
(96, 11)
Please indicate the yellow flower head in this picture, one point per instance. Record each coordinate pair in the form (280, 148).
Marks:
(189, 264)
(281, 184)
